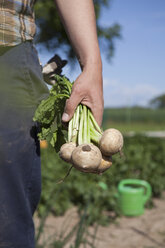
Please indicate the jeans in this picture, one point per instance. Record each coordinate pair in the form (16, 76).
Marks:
(21, 89)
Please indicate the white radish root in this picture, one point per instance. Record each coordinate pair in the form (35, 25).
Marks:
(66, 151)
(86, 157)
(111, 142)
(105, 164)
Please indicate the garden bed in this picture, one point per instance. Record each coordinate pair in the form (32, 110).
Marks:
(145, 231)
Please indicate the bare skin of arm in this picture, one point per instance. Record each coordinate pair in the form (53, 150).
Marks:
(78, 18)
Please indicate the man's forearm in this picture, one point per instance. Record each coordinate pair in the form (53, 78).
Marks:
(78, 18)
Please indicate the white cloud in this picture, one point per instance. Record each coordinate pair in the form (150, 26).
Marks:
(117, 93)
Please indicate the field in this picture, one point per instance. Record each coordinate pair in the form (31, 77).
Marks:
(145, 231)
(134, 119)
(93, 196)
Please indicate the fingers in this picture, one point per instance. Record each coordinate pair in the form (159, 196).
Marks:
(87, 92)
(76, 98)
(98, 114)
(96, 107)
(70, 107)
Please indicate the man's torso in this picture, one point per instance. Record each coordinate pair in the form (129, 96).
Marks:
(17, 22)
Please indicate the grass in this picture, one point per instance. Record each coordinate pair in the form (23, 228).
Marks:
(135, 119)
(135, 114)
(135, 126)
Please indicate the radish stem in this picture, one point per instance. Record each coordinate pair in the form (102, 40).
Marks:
(88, 125)
(95, 123)
(70, 130)
(80, 134)
(85, 131)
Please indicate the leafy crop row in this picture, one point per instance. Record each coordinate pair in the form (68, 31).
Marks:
(134, 114)
(143, 158)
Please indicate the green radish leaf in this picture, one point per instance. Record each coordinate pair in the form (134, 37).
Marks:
(44, 114)
(60, 140)
(50, 110)
(53, 139)
(44, 133)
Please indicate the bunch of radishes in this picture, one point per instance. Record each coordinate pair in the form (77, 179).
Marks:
(88, 148)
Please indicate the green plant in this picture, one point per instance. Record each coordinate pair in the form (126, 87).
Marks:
(79, 231)
(143, 159)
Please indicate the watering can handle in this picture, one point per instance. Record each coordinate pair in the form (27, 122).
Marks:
(148, 190)
(138, 182)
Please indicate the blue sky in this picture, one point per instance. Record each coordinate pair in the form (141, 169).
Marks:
(136, 73)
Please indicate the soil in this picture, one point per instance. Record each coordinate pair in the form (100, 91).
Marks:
(145, 231)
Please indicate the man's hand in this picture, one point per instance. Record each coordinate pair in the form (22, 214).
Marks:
(88, 90)
(79, 20)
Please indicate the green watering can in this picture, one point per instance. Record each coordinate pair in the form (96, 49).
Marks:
(132, 196)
